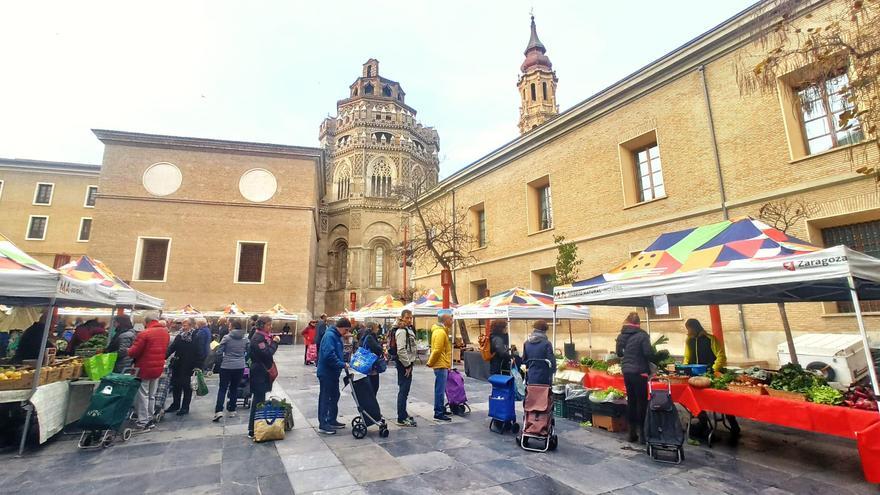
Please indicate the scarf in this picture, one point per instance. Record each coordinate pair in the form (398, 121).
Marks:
(185, 336)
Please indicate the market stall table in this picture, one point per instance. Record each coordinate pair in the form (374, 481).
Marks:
(595, 379)
(56, 405)
(475, 366)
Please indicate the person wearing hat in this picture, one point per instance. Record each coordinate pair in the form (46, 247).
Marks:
(308, 335)
(330, 365)
(441, 360)
(538, 356)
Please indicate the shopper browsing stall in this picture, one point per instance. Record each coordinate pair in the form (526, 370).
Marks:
(500, 344)
(634, 349)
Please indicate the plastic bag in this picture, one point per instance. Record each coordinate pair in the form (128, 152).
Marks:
(362, 360)
(100, 365)
(519, 384)
(199, 385)
(268, 423)
(573, 391)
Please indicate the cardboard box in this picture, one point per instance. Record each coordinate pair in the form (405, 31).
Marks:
(609, 423)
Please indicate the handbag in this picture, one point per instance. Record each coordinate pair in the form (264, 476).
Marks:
(268, 422)
(362, 361)
(273, 373)
(198, 383)
(381, 365)
(519, 384)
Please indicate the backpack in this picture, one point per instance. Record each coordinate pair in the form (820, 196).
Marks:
(486, 347)
(392, 344)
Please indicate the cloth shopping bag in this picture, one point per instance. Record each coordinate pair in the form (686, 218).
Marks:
(519, 384)
(99, 365)
(362, 361)
(268, 422)
(199, 385)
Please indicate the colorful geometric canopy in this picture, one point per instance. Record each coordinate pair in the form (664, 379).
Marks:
(279, 312)
(519, 303)
(715, 245)
(383, 307)
(13, 258)
(89, 270)
(187, 311)
(233, 310)
(735, 261)
(427, 305)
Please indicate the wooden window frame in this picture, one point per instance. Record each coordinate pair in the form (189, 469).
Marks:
(640, 186)
(828, 115)
(538, 275)
(481, 237)
(37, 193)
(235, 276)
(136, 269)
(2, 183)
(27, 233)
(79, 232)
(534, 204)
(88, 190)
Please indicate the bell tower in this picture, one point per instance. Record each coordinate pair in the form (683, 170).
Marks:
(537, 86)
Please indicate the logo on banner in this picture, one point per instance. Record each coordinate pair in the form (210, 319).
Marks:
(820, 262)
(789, 265)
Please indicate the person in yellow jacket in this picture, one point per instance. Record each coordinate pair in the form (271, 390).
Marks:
(441, 360)
(702, 348)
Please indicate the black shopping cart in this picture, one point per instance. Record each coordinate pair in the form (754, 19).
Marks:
(368, 407)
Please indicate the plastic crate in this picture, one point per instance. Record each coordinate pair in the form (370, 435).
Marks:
(615, 409)
(578, 409)
(559, 405)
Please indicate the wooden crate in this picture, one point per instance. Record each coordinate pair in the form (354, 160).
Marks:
(782, 394)
(608, 423)
(745, 389)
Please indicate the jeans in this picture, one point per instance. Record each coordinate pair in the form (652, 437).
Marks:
(403, 384)
(146, 401)
(440, 391)
(258, 397)
(328, 401)
(229, 379)
(636, 400)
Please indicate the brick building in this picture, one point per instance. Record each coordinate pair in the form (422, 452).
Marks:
(648, 155)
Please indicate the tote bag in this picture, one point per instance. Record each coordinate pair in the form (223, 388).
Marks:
(362, 361)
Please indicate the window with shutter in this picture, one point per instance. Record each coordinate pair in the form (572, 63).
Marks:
(91, 195)
(250, 262)
(85, 229)
(37, 228)
(154, 257)
(863, 237)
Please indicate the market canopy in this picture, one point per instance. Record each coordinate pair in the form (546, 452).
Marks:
(741, 261)
(86, 269)
(24, 281)
(426, 305)
(520, 304)
(279, 312)
(187, 311)
(383, 307)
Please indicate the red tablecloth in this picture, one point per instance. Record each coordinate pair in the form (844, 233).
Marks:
(863, 426)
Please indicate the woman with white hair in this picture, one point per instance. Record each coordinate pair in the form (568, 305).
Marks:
(186, 357)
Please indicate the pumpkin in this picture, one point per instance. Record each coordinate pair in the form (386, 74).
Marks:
(700, 382)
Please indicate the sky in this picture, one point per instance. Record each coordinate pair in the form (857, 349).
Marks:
(271, 71)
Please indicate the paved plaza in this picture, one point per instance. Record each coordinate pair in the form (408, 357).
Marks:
(192, 455)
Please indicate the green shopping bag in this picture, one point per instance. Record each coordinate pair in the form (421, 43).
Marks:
(200, 386)
(100, 365)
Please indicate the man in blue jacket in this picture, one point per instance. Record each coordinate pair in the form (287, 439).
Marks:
(330, 365)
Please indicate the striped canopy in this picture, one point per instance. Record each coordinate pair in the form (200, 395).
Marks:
(187, 311)
(519, 303)
(279, 312)
(383, 307)
(233, 310)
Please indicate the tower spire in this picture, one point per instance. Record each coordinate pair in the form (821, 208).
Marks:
(534, 41)
(537, 84)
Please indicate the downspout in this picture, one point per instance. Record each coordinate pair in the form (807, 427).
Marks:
(724, 212)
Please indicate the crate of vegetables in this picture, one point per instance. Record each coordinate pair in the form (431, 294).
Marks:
(860, 397)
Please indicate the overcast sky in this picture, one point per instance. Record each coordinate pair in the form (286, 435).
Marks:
(271, 71)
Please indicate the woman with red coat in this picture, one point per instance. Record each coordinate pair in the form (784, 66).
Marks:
(308, 334)
(148, 352)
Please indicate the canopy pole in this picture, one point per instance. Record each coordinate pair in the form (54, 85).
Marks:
(554, 328)
(788, 338)
(742, 330)
(590, 338)
(872, 371)
(47, 322)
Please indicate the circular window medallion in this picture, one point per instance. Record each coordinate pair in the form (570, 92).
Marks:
(257, 185)
(162, 179)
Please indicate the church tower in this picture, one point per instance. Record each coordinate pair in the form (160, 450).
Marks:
(537, 86)
(373, 144)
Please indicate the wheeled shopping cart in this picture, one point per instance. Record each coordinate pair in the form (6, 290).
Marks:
(108, 411)
(368, 407)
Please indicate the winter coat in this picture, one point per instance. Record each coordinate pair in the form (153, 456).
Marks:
(319, 335)
(331, 360)
(704, 349)
(187, 354)
(372, 343)
(148, 351)
(233, 349)
(120, 344)
(407, 352)
(308, 334)
(500, 345)
(441, 349)
(262, 351)
(204, 337)
(535, 350)
(634, 349)
(29, 343)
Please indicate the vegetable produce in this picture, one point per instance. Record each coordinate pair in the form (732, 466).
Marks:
(859, 397)
(793, 378)
(615, 369)
(720, 382)
(606, 395)
(585, 361)
(823, 394)
(600, 365)
(700, 382)
(756, 373)
(571, 364)
(97, 342)
(660, 357)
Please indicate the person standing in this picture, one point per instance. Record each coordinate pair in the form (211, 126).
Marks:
(700, 347)
(187, 353)
(122, 342)
(223, 327)
(635, 351)
(330, 365)
(203, 337)
(148, 353)
(263, 371)
(319, 330)
(500, 344)
(308, 335)
(371, 342)
(538, 356)
(232, 351)
(441, 360)
(403, 351)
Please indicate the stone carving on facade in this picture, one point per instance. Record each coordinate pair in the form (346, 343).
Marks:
(355, 221)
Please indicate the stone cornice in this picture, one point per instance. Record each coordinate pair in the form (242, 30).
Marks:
(234, 204)
(66, 168)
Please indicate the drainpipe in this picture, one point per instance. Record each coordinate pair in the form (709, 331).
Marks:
(713, 310)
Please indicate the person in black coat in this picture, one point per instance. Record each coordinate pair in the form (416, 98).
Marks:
(370, 340)
(188, 355)
(635, 351)
(262, 352)
(499, 342)
(538, 356)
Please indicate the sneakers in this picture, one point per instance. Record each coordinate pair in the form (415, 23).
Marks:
(250, 435)
(326, 431)
(172, 409)
(143, 427)
(442, 417)
(408, 422)
(232, 414)
(183, 412)
(218, 416)
(337, 425)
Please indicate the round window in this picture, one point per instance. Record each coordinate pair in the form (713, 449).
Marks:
(162, 179)
(258, 185)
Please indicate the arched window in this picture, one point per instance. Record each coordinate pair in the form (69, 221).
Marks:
(343, 182)
(379, 267)
(370, 71)
(418, 178)
(386, 90)
(355, 93)
(368, 88)
(380, 179)
(544, 89)
(534, 97)
(341, 265)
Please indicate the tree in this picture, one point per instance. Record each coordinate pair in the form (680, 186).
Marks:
(567, 263)
(847, 38)
(785, 213)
